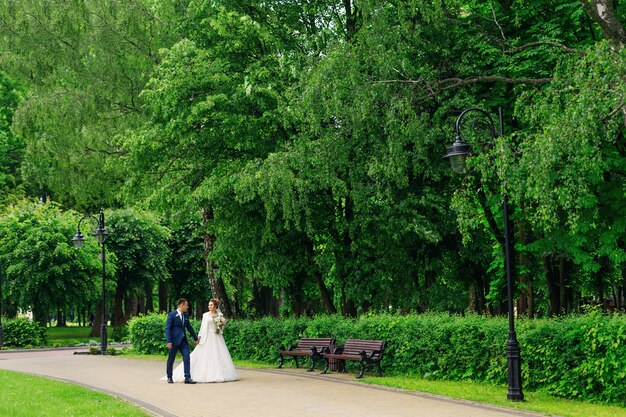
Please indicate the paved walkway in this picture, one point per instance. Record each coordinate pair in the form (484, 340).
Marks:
(259, 393)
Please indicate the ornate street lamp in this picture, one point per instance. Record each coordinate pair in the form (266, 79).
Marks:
(458, 154)
(101, 236)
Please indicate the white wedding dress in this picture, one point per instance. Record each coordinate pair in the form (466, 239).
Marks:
(210, 360)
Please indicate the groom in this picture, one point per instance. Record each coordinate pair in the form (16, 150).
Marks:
(177, 322)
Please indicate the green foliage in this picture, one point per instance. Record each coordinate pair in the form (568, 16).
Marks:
(139, 243)
(313, 136)
(120, 334)
(579, 357)
(84, 64)
(147, 333)
(21, 332)
(11, 147)
(40, 266)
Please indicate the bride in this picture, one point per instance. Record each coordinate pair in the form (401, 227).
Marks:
(210, 360)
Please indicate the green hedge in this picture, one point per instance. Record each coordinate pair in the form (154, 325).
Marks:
(147, 334)
(22, 333)
(575, 357)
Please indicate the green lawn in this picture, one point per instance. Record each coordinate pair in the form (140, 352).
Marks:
(494, 394)
(68, 336)
(32, 396)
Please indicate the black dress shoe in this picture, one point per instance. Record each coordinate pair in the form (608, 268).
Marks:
(170, 381)
(189, 381)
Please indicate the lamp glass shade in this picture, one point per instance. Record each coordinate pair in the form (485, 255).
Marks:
(100, 234)
(457, 162)
(78, 239)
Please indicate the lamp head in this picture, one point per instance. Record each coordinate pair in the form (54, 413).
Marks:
(78, 239)
(458, 153)
(101, 233)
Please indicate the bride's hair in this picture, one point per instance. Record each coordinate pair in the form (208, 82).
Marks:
(215, 302)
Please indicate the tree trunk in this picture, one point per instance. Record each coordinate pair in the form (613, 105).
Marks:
(351, 16)
(135, 305)
(128, 303)
(525, 279)
(163, 307)
(624, 286)
(604, 14)
(327, 299)
(118, 306)
(39, 316)
(471, 301)
(61, 318)
(97, 322)
(200, 306)
(218, 290)
(552, 284)
(149, 305)
(348, 308)
(344, 258)
(531, 296)
(562, 284)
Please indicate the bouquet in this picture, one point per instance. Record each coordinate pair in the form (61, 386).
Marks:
(220, 322)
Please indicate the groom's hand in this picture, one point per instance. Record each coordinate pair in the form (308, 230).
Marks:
(197, 340)
(169, 346)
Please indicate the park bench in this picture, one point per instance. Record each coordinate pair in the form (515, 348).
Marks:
(307, 347)
(366, 352)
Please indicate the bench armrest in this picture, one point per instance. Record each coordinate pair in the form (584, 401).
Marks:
(338, 350)
(365, 356)
(376, 353)
(281, 348)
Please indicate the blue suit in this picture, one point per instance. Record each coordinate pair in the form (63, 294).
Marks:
(175, 334)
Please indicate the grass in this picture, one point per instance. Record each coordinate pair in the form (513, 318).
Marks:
(536, 401)
(32, 396)
(67, 336)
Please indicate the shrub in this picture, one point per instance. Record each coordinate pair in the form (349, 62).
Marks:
(21, 332)
(120, 334)
(574, 357)
(147, 334)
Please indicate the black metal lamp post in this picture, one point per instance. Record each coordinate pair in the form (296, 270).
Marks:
(101, 236)
(457, 154)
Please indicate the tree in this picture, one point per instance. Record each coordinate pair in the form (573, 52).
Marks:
(11, 148)
(42, 269)
(140, 244)
(84, 63)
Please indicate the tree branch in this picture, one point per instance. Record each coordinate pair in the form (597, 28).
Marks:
(451, 83)
(557, 44)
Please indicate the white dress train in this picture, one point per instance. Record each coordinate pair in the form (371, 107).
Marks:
(210, 360)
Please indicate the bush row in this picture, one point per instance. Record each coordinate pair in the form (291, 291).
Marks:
(21, 332)
(575, 357)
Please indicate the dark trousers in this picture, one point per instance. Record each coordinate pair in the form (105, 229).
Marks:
(184, 350)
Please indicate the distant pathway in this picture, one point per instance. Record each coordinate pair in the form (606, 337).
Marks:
(260, 393)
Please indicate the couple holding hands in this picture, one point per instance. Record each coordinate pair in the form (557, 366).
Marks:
(210, 361)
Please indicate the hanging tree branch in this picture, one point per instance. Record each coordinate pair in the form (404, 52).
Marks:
(435, 87)
(552, 43)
